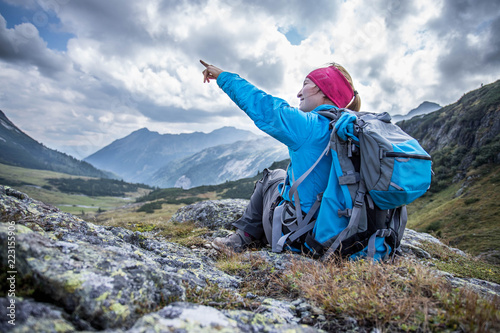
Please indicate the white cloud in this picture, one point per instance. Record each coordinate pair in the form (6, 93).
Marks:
(135, 64)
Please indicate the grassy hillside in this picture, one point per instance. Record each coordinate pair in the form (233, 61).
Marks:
(465, 214)
(19, 149)
(44, 186)
(463, 139)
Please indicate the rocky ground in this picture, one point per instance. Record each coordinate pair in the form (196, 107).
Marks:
(85, 277)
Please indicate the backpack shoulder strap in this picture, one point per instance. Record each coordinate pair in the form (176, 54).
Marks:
(353, 221)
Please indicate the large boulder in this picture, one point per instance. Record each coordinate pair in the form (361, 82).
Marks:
(106, 276)
(188, 317)
(104, 284)
(213, 214)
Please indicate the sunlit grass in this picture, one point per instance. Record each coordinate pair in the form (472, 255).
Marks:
(470, 221)
(122, 217)
(394, 297)
(462, 266)
(31, 176)
(37, 187)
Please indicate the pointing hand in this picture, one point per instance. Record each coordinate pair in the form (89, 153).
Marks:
(210, 72)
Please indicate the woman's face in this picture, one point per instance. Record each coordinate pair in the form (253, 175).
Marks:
(310, 96)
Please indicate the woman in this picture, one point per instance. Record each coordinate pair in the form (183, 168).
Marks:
(302, 130)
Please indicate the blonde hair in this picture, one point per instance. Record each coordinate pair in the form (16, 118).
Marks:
(355, 104)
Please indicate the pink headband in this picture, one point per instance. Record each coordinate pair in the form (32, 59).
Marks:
(333, 84)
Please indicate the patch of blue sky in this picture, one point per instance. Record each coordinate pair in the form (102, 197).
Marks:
(292, 35)
(483, 26)
(47, 23)
(410, 51)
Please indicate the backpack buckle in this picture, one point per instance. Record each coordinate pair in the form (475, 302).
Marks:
(346, 212)
(360, 199)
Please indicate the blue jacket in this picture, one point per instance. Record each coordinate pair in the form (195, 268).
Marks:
(306, 134)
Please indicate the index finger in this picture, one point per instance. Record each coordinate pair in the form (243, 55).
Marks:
(204, 63)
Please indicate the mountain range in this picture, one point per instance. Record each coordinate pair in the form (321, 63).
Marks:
(424, 108)
(19, 149)
(222, 163)
(139, 155)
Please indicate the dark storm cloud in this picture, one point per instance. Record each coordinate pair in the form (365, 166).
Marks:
(22, 45)
(394, 12)
(266, 75)
(455, 27)
(216, 45)
(372, 67)
(222, 47)
(115, 24)
(492, 54)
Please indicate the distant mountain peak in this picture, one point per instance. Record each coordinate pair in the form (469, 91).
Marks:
(424, 108)
(138, 155)
(425, 103)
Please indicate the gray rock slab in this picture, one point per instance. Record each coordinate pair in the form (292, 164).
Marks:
(213, 214)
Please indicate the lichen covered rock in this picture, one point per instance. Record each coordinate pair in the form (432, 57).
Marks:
(105, 285)
(413, 242)
(31, 316)
(104, 275)
(188, 317)
(213, 214)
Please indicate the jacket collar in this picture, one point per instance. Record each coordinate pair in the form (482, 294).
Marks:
(324, 107)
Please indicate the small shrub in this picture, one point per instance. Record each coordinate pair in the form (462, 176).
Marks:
(471, 201)
(149, 208)
(215, 296)
(144, 227)
(258, 276)
(434, 226)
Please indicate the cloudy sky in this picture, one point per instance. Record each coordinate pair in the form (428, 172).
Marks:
(79, 74)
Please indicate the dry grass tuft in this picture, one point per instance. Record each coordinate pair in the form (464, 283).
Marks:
(258, 276)
(215, 296)
(403, 295)
(462, 266)
(186, 233)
